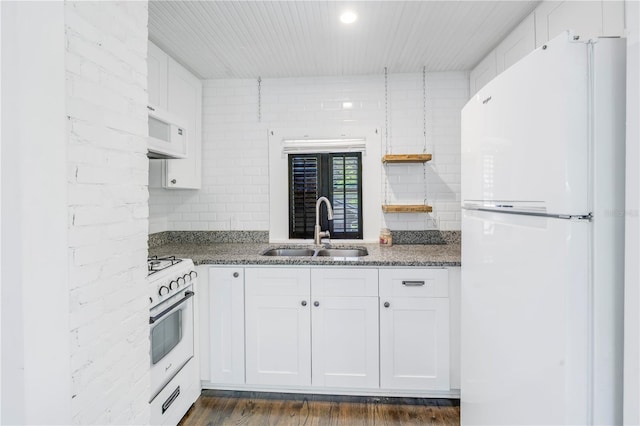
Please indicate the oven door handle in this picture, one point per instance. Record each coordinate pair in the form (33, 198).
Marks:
(187, 295)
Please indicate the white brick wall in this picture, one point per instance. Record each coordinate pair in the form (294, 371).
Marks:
(107, 195)
(234, 193)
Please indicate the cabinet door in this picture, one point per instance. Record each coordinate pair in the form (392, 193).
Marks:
(414, 343)
(345, 342)
(226, 325)
(483, 73)
(587, 19)
(157, 62)
(184, 99)
(520, 42)
(278, 326)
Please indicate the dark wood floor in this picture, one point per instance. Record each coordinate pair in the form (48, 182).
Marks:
(255, 408)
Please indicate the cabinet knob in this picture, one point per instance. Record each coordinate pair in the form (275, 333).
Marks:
(387, 304)
(236, 275)
(316, 303)
(304, 303)
(173, 181)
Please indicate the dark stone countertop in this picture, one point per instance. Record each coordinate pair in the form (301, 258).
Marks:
(251, 254)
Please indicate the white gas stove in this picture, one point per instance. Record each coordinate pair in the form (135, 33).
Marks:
(167, 277)
(173, 372)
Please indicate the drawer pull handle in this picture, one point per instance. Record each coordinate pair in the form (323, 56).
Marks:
(413, 283)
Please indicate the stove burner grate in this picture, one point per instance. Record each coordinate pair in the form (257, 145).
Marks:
(155, 263)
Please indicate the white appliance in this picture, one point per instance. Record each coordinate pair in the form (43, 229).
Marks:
(174, 377)
(543, 239)
(167, 135)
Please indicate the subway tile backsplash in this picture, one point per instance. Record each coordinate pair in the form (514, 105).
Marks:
(234, 194)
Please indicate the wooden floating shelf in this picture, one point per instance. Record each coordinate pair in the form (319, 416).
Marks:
(406, 158)
(407, 208)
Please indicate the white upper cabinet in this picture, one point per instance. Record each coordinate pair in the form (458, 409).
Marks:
(184, 97)
(157, 67)
(586, 19)
(173, 88)
(613, 18)
(517, 45)
(483, 73)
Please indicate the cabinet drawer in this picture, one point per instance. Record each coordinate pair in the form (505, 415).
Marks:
(414, 283)
(277, 281)
(344, 282)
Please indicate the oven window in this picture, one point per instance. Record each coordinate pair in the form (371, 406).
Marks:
(166, 335)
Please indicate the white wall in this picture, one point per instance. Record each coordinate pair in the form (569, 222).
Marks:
(74, 214)
(106, 72)
(234, 193)
(35, 296)
(632, 225)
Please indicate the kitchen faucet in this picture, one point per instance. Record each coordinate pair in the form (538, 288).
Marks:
(317, 232)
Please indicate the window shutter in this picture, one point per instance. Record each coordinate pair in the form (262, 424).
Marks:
(337, 176)
(303, 193)
(346, 194)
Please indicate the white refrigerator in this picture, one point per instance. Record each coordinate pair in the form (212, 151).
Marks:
(543, 239)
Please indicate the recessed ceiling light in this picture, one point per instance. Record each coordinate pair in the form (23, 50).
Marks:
(348, 17)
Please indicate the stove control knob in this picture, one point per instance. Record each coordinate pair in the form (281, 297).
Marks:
(193, 274)
(187, 277)
(174, 284)
(163, 290)
(181, 281)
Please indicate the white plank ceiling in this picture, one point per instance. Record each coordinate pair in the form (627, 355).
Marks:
(271, 39)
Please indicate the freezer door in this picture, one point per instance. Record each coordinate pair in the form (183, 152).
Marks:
(525, 134)
(525, 320)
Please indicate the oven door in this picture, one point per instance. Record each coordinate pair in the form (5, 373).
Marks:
(171, 335)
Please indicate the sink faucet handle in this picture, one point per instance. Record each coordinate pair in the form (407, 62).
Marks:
(327, 235)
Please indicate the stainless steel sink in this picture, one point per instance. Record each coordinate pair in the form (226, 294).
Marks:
(340, 252)
(289, 252)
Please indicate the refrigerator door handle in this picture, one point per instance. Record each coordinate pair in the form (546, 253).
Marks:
(510, 209)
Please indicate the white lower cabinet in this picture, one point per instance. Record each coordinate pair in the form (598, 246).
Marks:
(296, 324)
(278, 326)
(330, 328)
(226, 325)
(414, 329)
(414, 350)
(344, 328)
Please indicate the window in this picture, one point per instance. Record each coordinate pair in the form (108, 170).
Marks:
(337, 176)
